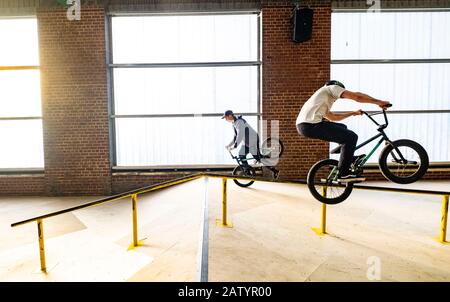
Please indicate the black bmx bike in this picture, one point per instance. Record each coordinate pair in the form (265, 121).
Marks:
(269, 154)
(402, 161)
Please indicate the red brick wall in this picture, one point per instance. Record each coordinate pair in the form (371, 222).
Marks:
(22, 185)
(127, 181)
(437, 174)
(74, 102)
(291, 74)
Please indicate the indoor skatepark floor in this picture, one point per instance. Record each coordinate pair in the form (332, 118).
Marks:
(271, 238)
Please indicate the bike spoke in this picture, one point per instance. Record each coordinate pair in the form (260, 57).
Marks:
(400, 168)
(323, 178)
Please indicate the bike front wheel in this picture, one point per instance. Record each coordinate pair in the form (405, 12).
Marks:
(403, 161)
(321, 184)
(249, 172)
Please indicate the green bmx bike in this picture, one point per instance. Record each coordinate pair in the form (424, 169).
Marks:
(402, 161)
(269, 153)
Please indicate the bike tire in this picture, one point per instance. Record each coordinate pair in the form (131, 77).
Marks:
(277, 149)
(312, 183)
(238, 171)
(424, 161)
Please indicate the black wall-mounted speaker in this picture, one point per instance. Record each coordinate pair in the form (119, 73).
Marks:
(302, 22)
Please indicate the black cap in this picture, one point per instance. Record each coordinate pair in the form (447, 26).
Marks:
(228, 112)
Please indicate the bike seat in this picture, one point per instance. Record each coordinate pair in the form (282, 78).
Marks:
(336, 150)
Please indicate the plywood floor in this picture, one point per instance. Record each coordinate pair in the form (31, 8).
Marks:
(271, 238)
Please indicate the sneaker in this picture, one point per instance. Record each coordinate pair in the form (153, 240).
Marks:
(350, 178)
(357, 158)
(276, 173)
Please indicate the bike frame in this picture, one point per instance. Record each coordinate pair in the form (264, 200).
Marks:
(384, 137)
(240, 160)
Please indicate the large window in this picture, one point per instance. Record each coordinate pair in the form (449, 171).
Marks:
(402, 57)
(172, 79)
(20, 101)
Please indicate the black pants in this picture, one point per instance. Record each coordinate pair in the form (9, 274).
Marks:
(245, 150)
(333, 132)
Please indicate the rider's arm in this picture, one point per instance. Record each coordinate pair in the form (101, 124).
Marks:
(336, 117)
(363, 98)
(240, 131)
(232, 144)
(238, 137)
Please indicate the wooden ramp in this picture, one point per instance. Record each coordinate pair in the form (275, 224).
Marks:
(372, 235)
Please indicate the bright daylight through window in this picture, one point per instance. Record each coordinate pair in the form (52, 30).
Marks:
(173, 77)
(384, 55)
(20, 97)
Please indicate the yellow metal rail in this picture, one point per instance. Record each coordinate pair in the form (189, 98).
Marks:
(133, 194)
(443, 233)
(322, 230)
(32, 67)
(224, 221)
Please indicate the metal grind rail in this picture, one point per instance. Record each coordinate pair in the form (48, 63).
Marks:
(133, 194)
(203, 247)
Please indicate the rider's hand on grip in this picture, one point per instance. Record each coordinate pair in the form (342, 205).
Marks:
(384, 104)
(358, 112)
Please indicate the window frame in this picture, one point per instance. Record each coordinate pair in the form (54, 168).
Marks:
(27, 170)
(440, 164)
(110, 78)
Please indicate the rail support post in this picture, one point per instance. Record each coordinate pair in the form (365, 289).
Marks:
(224, 222)
(136, 242)
(443, 233)
(40, 226)
(323, 225)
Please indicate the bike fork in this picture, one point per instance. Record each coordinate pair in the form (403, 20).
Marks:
(402, 159)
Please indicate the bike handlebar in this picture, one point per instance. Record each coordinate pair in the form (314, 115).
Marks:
(369, 115)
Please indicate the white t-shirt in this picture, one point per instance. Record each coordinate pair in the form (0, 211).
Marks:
(319, 104)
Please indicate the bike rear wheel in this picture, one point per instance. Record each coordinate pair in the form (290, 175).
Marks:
(239, 171)
(321, 184)
(409, 170)
(271, 150)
